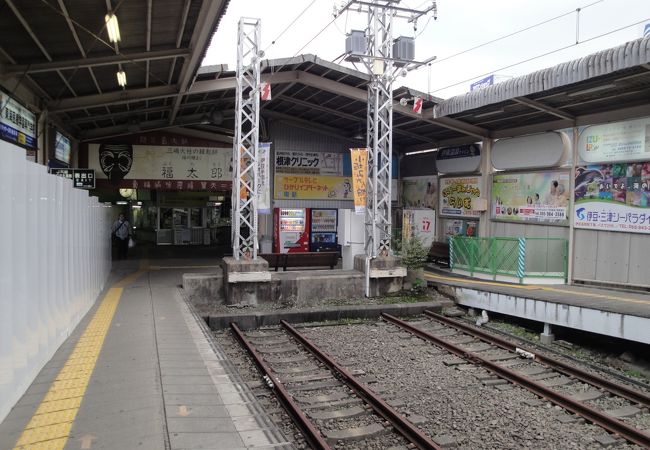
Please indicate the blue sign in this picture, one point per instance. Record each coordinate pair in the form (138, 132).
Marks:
(646, 30)
(483, 83)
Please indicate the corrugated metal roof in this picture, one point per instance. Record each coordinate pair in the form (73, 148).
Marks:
(626, 56)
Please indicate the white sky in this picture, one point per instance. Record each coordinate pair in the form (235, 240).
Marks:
(461, 24)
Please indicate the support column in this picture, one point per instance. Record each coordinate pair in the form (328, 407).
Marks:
(547, 337)
(571, 249)
(484, 226)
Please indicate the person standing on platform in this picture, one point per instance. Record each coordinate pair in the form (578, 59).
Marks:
(121, 232)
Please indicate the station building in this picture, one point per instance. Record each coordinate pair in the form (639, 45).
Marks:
(550, 171)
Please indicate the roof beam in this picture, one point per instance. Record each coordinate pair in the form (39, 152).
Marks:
(544, 108)
(121, 130)
(111, 98)
(443, 122)
(224, 84)
(203, 31)
(351, 117)
(121, 58)
(305, 124)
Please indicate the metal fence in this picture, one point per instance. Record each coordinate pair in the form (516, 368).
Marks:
(510, 257)
(54, 262)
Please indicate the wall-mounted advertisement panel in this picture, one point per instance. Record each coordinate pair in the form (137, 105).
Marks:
(17, 123)
(459, 227)
(314, 163)
(535, 197)
(612, 142)
(613, 197)
(62, 148)
(312, 187)
(456, 196)
(420, 192)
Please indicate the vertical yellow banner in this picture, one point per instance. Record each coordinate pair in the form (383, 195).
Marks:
(359, 158)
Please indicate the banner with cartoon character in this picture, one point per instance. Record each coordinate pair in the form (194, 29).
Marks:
(312, 187)
(613, 197)
(541, 197)
(158, 166)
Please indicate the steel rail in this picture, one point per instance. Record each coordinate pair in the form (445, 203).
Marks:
(401, 424)
(595, 416)
(582, 375)
(312, 435)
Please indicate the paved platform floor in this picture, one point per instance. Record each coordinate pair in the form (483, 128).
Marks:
(611, 300)
(140, 372)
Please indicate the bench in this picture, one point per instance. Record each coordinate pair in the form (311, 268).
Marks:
(310, 259)
(439, 253)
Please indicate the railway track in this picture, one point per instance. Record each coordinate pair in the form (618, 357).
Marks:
(582, 393)
(331, 405)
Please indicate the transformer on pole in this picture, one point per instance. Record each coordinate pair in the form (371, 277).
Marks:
(383, 68)
(246, 142)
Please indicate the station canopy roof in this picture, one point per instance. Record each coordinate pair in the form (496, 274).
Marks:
(54, 50)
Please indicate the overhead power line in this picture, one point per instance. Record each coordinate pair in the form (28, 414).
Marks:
(290, 25)
(514, 33)
(542, 55)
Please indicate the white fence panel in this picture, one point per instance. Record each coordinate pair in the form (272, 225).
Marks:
(54, 262)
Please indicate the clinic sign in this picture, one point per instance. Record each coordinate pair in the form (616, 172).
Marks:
(619, 141)
(313, 163)
(541, 197)
(17, 123)
(456, 195)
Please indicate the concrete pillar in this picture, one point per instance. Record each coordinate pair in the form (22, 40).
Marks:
(386, 274)
(246, 282)
(547, 337)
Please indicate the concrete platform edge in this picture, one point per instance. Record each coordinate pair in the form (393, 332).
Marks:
(258, 319)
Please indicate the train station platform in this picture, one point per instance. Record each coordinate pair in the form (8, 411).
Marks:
(140, 372)
(611, 312)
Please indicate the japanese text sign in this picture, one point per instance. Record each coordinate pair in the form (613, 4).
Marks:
(359, 178)
(613, 197)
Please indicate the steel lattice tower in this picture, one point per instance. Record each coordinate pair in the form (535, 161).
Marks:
(380, 130)
(383, 70)
(247, 114)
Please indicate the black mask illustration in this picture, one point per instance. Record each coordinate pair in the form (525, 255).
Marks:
(115, 161)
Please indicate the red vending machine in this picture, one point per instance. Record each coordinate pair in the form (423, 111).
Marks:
(290, 230)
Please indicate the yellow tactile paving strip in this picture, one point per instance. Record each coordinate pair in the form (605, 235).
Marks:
(533, 287)
(49, 427)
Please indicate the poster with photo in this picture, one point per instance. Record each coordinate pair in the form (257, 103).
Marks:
(459, 227)
(536, 197)
(420, 192)
(613, 197)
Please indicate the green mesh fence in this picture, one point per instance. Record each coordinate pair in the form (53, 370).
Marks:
(512, 257)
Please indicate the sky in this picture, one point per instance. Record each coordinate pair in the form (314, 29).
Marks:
(461, 25)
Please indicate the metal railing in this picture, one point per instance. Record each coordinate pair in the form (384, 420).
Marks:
(510, 257)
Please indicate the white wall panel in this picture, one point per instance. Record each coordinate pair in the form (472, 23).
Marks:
(54, 262)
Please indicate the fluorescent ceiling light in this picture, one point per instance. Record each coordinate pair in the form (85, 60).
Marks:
(421, 151)
(490, 113)
(593, 89)
(121, 78)
(112, 27)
